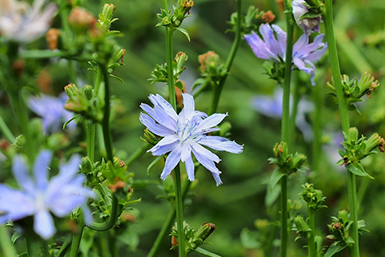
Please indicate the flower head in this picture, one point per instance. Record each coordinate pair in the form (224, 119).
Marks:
(40, 197)
(271, 106)
(185, 134)
(51, 110)
(272, 46)
(22, 23)
(308, 25)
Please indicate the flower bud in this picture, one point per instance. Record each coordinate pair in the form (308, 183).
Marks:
(352, 135)
(108, 10)
(80, 19)
(307, 24)
(52, 37)
(88, 91)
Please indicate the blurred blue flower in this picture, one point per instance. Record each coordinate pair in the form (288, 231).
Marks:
(271, 106)
(273, 47)
(51, 110)
(184, 134)
(23, 23)
(308, 25)
(38, 197)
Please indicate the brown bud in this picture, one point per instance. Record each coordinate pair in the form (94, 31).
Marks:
(44, 81)
(268, 16)
(81, 18)
(118, 185)
(52, 37)
(4, 144)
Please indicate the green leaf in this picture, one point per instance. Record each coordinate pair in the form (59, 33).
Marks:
(358, 170)
(275, 177)
(335, 248)
(185, 33)
(205, 252)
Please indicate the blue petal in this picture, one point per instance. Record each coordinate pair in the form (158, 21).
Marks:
(41, 170)
(221, 144)
(160, 116)
(217, 179)
(43, 224)
(186, 152)
(172, 160)
(154, 127)
(160, 150)
(210, 121)
(204, 152)
(20, 171)
(188, 108)
(205, 161)
(158, 100)
(189, 168)
(15, 204)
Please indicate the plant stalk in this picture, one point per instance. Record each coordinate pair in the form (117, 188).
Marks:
(352, 191)
(179, 212)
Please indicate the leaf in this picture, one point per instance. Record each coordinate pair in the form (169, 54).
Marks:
(275, 177)
(335, 248)
(358, 170)
(185, 33)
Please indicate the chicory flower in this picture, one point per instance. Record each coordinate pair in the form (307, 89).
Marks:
(185, 135)
(39, 196)
(308, 25)
(51, 110)
(21, 23)
(272, 46)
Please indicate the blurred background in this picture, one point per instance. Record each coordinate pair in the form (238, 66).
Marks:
(241, 207)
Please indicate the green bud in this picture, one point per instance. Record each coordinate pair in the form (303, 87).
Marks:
(298, 161)
(352, 135)
(108, 10)
(204, 231)
(301, 224)
(86, 165)
(261, 224)
(88, 91)
(373, 142)
(343, 216)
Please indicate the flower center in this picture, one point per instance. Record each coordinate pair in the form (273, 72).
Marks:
(185, 131)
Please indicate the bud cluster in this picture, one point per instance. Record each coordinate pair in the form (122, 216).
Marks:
(251, 20)
(194, 239)
(289, 163)
(160, 74)
(313, 197)
(339, 230)
(174, 18)
(83, 102)
(356, 149)
(355, 89)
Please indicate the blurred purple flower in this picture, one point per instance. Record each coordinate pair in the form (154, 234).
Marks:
(308, 25)
(271, 106)
(51, 110)
(38, 197)
(184, 134)
(273, 47)
(22, 23)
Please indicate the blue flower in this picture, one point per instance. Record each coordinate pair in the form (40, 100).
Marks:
(272, 46)
(51, 110)
(271, 106)
(40, 197)
(185, 134)
(308, 25)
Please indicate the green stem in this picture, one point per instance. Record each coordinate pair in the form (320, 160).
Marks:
(106, 116)
(90, 127)
(65, 246)
(311, 239)
(137, 154)
(111, 222)
(285, 129)
(167, 224)
(164, 230)
(317, 127)
(6, 131)
(170, 71)
(218, 88)
(76, 238)
(179, 212)
(7, 247)
(352, 191)
(293, 116)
